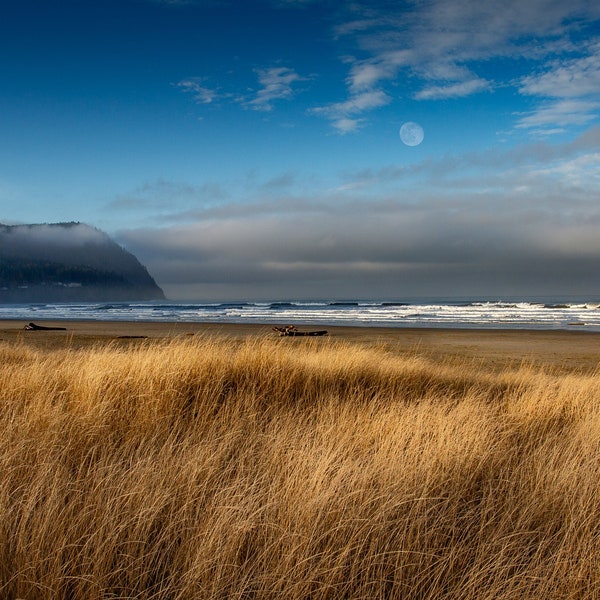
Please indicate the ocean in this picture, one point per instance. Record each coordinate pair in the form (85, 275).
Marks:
(579, 315)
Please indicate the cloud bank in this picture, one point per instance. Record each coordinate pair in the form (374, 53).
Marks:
(527, 223)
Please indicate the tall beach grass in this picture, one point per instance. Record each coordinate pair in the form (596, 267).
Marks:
(202, 468)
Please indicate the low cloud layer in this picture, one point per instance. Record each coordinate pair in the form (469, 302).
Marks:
(372, 253)
(525, 227)
(31, 240)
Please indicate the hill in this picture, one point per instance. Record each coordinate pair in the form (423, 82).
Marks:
(69, 262)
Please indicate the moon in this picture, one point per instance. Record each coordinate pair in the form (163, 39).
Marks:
(411, 133)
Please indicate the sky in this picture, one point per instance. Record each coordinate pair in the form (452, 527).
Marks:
(251, 149)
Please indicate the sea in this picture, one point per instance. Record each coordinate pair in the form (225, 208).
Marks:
(512, 313)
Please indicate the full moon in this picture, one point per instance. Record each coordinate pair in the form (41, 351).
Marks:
(411, 133)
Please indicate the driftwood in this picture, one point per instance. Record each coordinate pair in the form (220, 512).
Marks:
(34, 327)
(292, 331)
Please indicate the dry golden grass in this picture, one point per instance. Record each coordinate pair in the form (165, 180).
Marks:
(201, 468)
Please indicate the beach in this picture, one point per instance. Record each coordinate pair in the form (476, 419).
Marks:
(496, 348)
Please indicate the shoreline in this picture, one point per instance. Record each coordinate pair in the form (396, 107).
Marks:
(559, 349)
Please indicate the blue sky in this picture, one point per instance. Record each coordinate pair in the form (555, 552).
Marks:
(247, 150)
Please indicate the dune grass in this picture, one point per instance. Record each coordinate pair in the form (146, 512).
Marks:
(202, 468)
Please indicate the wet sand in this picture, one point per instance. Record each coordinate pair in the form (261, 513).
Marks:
(560, 350)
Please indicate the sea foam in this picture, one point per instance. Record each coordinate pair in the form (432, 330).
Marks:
(498, 314)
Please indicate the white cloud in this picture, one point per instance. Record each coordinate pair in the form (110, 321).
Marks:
(562, 113)
(456, 90)
(367, 73)
(582, 171)
(567, 79)
(200, 93)
(442, 49)
(356, 103)
(346, 125)
(442, 46)
(343, 114)
(569, 91)
(276, 84)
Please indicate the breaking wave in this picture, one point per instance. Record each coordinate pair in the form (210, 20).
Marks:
(465, 313)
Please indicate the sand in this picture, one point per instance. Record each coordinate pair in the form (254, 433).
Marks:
(568, 351)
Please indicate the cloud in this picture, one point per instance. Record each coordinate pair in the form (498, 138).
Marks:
(276, 84)
(567, 79)
(569, 91)
(372, 251)
(342, 114)
(165, 197)
(346, 125)
(200, 93)
(39, 240)
(579, 172)
(456, 90)
(366, 74)
(280, 182)
(544, 174)
(562, 113)
(520, 221)
(441, 49)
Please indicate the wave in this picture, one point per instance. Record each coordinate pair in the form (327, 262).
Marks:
(111, 307)
(525, 314)
(240, 305)
(392, 304)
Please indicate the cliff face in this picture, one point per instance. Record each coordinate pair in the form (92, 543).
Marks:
(69, 262)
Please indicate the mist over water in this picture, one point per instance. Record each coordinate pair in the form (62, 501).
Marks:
(549, 313)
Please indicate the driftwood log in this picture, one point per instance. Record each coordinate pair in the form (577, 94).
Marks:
(34, 327)
(292, 331)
